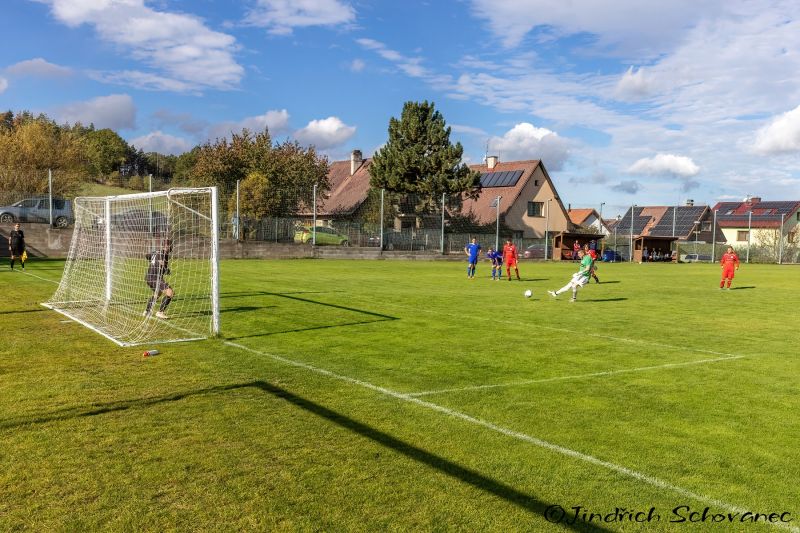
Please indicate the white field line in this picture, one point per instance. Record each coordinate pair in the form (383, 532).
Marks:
(39, 277)
(624, 471)
(577, 376)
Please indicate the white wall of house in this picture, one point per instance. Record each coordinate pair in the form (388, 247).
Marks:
(539, 190)
(760, 236)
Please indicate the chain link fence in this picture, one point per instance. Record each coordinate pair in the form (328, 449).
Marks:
(392, 222)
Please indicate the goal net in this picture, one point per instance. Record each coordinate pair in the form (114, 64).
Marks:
(128, 253)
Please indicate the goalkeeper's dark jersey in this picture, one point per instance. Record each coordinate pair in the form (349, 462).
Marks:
(159, 266)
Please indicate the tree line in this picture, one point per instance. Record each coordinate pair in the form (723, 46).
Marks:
(275, 178)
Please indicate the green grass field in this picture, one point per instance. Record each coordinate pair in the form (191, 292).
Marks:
(380, 395)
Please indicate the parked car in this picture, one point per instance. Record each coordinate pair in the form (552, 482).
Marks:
(534, 251)
(695, 258)
(325, 236)
(611, 256)
(37, 209)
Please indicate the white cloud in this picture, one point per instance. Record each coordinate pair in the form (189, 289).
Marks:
(178, 47)
(409, 65)
(469, 130)
(627, 25)
(280, 17)
(782, 135)
(3, 85)
(325, 133)
(116, 111)
(526, 141)
(357, 65)
(277, 122)
(162, 143)
(38, 67)
(634, 85)
(665, 165)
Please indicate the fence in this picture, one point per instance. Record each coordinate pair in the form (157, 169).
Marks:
(392, 222)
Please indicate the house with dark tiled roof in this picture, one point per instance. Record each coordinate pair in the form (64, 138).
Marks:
(528, 202)
(757, 221)
(657, 227)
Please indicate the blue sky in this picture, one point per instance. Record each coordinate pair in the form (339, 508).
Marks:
(625, 101)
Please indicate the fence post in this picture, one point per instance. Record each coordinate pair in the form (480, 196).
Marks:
(780, 237)
(441, 244)
(236, 226)
(714, 239)
(50, 193)
(381, 242)
(314, 217)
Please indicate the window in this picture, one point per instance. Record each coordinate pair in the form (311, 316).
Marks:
(536, 184)
(742, 236)
(798, 216)
(535, 209)
(706, 225)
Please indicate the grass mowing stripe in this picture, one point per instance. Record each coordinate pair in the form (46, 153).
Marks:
(567, 330)
(579, 376)
(627, 472)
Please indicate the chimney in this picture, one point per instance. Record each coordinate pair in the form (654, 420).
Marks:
(491, 161)
(569, 208)
(355, 161)
(689, 202)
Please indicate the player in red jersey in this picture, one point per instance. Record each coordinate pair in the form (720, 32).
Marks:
(510, 258)
(729, 262)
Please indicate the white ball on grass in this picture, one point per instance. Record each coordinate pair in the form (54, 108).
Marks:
(528, 293)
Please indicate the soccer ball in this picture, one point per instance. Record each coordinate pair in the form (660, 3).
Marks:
(528, 293)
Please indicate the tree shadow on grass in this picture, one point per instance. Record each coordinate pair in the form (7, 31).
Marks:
(436, 462)
(245, 308)
(23, 311)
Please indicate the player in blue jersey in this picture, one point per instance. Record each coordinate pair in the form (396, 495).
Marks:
(496, 258)
(472, 250)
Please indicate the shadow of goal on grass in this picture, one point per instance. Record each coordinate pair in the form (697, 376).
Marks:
(441, 464)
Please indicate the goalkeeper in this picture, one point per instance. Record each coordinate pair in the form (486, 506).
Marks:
(158, 268)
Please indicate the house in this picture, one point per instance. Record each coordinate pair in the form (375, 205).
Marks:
(521, 192)
(657, 227)
(756, 221)
(523, 195)
(589, 219)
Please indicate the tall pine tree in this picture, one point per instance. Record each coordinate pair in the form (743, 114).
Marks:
(420, 161)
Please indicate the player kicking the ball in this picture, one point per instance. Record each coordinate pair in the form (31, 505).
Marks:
(579, 279)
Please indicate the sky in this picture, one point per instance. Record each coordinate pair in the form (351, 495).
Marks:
(625, 101)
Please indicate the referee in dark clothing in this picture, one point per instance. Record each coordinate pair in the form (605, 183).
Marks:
(16, 245)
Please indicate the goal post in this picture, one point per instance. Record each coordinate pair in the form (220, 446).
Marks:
(129, 253)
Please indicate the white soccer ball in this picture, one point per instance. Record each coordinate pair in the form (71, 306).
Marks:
(528, 293)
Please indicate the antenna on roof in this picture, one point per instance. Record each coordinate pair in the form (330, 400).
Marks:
(486, 154)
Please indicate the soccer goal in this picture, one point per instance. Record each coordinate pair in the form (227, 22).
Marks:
(127, 251)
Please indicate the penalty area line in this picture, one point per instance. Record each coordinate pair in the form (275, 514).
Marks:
(623, 471)
(577, 376)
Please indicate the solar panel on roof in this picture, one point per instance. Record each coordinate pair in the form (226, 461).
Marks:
(507, 178)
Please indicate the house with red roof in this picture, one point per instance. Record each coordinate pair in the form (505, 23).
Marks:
(588, 219)
(757, 221)
(521, 191)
